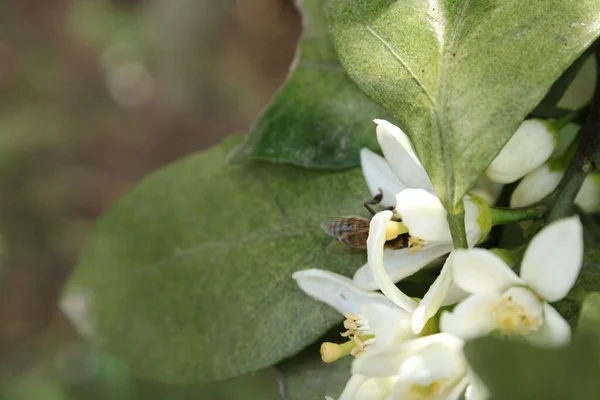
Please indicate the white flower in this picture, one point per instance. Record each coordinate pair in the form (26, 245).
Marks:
(541, 182)
(511, 305)
(401, 169)
(406, 186)
(528, 148)
(431, 367)
(367, 313)
(402, 364)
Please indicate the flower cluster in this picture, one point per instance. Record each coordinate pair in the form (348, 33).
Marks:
(400, 351)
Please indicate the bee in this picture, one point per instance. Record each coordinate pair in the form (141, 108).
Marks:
(354, 231)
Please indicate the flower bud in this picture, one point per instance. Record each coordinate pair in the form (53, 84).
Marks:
(530, 146)
(535, 186)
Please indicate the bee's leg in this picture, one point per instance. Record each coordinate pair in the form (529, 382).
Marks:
(375, 200)
(394, 217)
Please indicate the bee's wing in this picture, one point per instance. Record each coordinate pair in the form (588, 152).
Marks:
(328, 225)
(340, 248)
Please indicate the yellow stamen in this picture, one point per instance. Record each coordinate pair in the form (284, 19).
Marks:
(331, 352)
(428, 391)
(513, 318)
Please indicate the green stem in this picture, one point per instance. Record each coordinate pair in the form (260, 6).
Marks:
(503, 216)
(456, 221)
(586, 159)
(561, 122)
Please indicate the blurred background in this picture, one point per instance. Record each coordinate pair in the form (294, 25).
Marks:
(94, 94)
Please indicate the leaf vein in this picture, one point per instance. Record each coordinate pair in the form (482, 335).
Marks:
(441, 115)
(401, 61)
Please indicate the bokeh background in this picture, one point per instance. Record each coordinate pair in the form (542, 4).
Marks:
(94, 94)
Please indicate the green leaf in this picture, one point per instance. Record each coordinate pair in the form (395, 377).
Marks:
(307, 377)
(188, 277)
(520, 371)
(319, 118)
(261, 385)
(459, 75)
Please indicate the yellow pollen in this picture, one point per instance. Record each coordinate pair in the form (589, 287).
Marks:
(360, 346)
(393, 229)
(351, 324)
(513, 318)
(415, 244)
(425, 391)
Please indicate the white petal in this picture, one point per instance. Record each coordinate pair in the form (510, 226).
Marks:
(530, 146)
(589, 195)
(337, 290)
(399, 153)
(458, 389)
(387, 360)
(455, 294)
(375, 242)
(487, 189)
(535, 186)
(406, 390)
(352, 386)
(424, 215)
(472, 317)
(399, 264)
(360, 387)
(480, 271)
(554, 332)
(379, 175)
(553, 259)
(476, 389)
(435, 362)
(389, 323)
(434, 297)
(374, 389)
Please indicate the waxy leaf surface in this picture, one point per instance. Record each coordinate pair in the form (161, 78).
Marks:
(319, 118)
(188, 278)
(460, 75)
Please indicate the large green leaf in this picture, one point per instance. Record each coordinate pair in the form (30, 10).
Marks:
(319, 118)
(460, 75)
(261, 385)
(306, 377)
(521, 371)
(188, 277)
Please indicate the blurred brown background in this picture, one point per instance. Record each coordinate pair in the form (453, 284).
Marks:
(94, 94)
